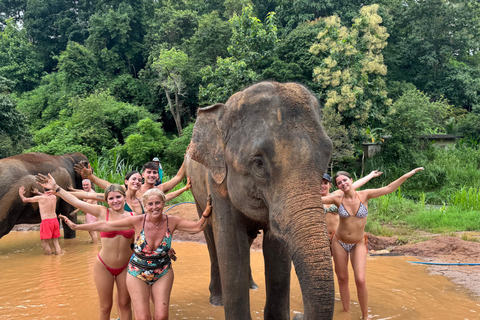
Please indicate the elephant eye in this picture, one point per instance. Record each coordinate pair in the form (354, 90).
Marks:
(258, 167)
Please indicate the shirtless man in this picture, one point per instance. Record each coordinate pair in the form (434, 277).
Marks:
(49, 228)
(87, 187)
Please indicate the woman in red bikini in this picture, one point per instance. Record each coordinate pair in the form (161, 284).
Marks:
(110, 267)
(350, 239)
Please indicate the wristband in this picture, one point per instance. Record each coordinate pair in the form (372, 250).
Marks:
(58, 189)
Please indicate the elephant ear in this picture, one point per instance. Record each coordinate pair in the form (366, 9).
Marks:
(207, 146)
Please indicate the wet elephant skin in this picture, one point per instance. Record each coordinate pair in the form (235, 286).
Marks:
(261, 156)
(20, 170)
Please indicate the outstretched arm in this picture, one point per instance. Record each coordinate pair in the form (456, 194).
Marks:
(88, 195)
(87, 173)
(192, 226)
(174, 194)
(49, 182)
(169, 185)
(334, 199)
(360, 182)
(21, 193)
(375, 193)
(123, 224)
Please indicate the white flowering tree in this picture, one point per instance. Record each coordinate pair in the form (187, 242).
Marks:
(352, 77)
(352, 72)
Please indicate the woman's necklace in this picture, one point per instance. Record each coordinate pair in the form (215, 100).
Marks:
(158, 224)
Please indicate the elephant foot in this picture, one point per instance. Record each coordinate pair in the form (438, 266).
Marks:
(216, 301)
(299, 316)
(253, 285)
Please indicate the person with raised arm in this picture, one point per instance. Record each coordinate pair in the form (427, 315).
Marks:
(112, 260)
(331, 210)
(49, 227)
(349, 239)
(150, 269)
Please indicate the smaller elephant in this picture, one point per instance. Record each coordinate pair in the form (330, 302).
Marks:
(20, 170)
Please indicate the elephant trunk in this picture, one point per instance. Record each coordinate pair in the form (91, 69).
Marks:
(301, 223)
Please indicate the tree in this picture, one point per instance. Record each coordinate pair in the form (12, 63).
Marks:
(14, 134)
(228, 77)
(78, 69)
(12, 9)
(251, 40)
(435, 44)
(116, 35)
(352, 73)
(169, 66)
(51, 24)
(147, 142)
(19, 61)
(413, 115)
(208, 41)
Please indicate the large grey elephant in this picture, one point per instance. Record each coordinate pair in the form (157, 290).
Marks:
(262, 156)
(20, 170)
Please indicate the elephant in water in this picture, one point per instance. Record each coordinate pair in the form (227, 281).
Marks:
(20, 170)
(262, 156)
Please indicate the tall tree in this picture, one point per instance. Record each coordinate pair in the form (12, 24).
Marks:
(14, 134)
(19, 61)
(116, 34)
(252, 40)
(352, 73)
(435, 44)
(169, 67)
(52, 23)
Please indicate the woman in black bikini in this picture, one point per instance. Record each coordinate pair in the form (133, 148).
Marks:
(350, 239)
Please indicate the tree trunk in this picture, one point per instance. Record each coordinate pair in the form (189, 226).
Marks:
(175, 111)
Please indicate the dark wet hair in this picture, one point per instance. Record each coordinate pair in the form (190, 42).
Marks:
(128, 175)
(341, 173)
(150, 165)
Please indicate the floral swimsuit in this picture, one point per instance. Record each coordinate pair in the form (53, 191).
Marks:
(150, 265)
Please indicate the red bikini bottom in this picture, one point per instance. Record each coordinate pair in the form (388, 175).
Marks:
(114, 271)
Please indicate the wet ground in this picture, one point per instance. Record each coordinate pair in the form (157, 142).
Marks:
(35, 286)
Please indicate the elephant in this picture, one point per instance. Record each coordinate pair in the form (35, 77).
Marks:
(20, 170)
(261, 156)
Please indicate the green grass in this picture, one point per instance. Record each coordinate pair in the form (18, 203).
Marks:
(392, 211)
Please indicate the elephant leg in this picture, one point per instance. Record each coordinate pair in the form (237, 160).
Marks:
(277, 277)
(215, 286)
(233, 253)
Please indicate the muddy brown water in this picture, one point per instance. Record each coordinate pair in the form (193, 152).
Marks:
(36, 286)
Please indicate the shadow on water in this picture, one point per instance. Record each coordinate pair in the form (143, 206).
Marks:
(36, 286)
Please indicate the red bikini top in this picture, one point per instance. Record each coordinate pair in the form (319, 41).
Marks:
(112, 234)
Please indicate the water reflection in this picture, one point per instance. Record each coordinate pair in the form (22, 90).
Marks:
(36, 286)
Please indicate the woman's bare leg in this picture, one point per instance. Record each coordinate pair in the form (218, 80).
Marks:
(123, 298)
(358, 257)
(104, 283)
(140, 294)
(161, 295)
(340, 258)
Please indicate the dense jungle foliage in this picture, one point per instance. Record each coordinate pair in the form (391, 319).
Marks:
(123, 79)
